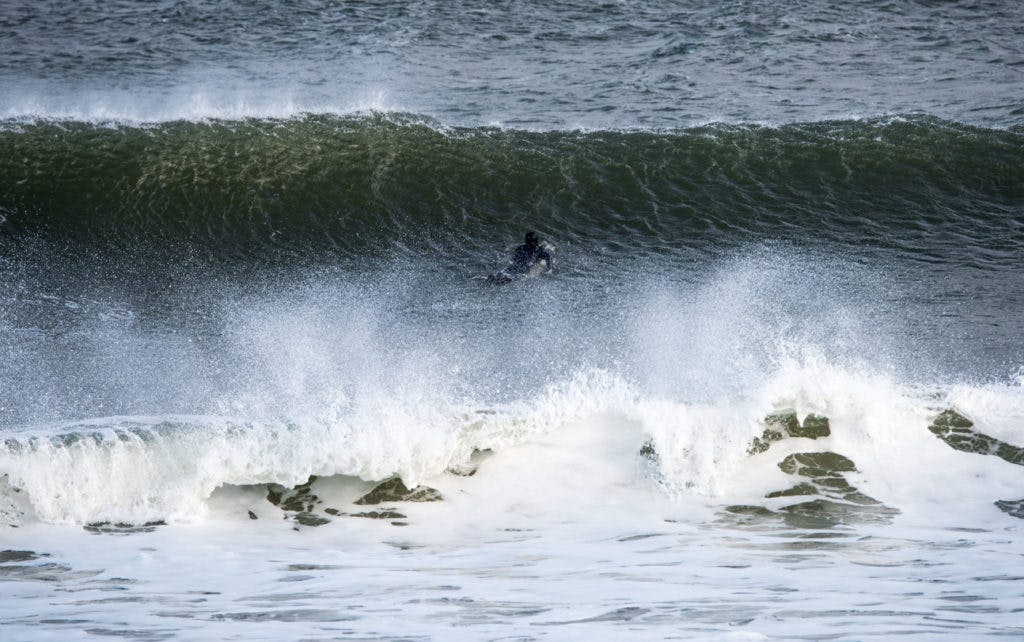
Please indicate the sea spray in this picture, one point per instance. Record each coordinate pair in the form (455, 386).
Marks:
(772, 389)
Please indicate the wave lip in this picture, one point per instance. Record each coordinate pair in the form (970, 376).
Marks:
(113, 108)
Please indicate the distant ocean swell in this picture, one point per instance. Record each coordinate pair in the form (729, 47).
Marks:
(349, 184)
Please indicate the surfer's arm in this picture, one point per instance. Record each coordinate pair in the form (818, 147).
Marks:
(548, 259)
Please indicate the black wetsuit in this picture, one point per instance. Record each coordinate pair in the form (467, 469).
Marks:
(526, 256)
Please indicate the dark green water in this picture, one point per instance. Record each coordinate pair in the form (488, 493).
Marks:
(747, 180)
(917, 188)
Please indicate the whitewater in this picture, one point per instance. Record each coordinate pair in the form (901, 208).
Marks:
(253, 384)
(613, 490)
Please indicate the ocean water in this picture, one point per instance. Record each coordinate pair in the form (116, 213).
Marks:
(253, 385)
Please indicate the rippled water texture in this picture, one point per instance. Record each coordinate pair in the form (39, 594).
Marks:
(671, 581)
(522, 64)
(255, 384)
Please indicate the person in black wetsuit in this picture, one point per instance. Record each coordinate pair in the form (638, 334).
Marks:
(524, 258)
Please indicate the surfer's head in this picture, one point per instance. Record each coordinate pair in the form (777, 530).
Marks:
(532, 239)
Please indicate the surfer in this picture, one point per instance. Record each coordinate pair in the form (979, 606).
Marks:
(527, 259)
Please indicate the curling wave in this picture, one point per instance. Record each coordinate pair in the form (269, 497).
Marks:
(327, 184)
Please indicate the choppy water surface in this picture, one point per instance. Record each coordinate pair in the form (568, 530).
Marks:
(533, 64)
(253, 384)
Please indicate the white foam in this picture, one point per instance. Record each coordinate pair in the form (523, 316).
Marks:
(185, 103)
(996, 409)
(328, 379)
(199, 100)
(576, 439)
(141, 469)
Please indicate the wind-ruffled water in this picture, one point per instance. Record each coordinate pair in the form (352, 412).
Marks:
(773, 389)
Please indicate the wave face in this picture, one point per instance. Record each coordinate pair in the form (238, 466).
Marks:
(934, 190)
